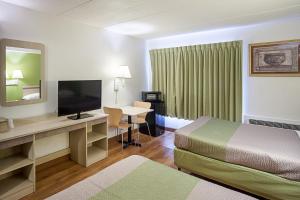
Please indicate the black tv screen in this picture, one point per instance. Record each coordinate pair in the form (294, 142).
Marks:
(75, 97)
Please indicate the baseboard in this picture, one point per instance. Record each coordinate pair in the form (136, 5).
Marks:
(165, 128)
(168, 129)
(264, 118)
(114, 136)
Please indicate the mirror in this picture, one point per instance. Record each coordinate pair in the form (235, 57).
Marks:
(22, 73)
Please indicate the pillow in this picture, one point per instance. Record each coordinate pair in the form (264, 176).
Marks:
(31, 96)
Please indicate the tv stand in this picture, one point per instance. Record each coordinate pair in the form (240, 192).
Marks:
(18, 161)
(80, 116)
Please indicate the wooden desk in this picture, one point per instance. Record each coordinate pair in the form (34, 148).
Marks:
(132, 111)
(87, 144)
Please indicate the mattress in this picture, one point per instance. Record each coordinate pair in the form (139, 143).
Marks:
(138, 178)
(268, 149)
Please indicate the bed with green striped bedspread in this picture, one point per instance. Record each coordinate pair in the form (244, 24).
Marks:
(138, 178)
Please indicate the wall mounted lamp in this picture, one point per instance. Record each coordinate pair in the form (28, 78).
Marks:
(121, 74)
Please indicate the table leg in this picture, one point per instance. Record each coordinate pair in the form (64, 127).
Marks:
(130, 141)
(129, 130)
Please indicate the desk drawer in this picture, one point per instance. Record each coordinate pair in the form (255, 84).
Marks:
(97, 121)
(60, 130)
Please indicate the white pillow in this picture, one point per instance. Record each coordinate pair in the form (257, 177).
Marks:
(31, 96)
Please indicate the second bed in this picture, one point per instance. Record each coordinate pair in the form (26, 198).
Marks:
(261, 160)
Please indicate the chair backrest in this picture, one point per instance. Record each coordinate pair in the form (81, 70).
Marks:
(142, 104)
(115, 116)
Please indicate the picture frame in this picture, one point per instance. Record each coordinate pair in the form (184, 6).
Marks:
(279, 58)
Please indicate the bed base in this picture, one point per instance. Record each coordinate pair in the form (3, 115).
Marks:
(250, 180)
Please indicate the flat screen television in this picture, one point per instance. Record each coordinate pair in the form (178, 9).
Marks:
(79, 96)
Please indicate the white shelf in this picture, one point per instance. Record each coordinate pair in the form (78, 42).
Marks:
(13, 163)
(14, 184)
(94, 136)
(94, 154)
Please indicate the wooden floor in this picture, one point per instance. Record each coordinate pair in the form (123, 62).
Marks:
(61, 173)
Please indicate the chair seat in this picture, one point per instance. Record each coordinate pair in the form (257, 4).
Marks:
(138, 120)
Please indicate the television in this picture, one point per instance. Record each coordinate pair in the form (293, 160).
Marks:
(79, 96)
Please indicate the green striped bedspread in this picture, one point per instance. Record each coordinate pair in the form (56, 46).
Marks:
(268, 149)
(138, 178)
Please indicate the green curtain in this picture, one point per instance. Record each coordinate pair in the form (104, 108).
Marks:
(200, 80)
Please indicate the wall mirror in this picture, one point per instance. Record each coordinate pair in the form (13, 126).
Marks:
(22, 72)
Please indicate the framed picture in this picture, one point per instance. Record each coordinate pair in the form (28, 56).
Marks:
(275, 58)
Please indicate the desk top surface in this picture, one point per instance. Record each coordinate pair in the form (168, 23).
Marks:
(34, 125)
(131, 110)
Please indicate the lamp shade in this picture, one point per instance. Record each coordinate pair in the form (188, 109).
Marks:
(17, 74)
(123, 72)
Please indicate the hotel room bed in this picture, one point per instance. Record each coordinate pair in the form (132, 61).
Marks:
(253, 158)
(139, 178)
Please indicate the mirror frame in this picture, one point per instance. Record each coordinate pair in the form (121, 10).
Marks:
(27, 45)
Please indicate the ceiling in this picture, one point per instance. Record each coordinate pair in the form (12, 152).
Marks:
(156, 18)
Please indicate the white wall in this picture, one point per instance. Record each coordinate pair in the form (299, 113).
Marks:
(271, 98)
(73, 51)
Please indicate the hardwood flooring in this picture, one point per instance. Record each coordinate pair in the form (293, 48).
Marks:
(61, 173)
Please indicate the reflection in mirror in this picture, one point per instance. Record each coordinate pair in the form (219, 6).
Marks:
(23, 74)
